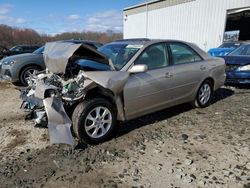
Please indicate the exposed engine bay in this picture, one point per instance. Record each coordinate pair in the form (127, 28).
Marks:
(64, 84)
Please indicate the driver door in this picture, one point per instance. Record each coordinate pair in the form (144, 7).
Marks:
(146, 92)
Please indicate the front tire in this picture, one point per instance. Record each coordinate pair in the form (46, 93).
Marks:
(94, 121)
(204, 94)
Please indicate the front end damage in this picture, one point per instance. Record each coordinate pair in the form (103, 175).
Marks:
(64, 84)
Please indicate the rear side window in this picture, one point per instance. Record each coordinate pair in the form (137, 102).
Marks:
(181, 53)
(33, 48)
(154, 57)
(26, 48)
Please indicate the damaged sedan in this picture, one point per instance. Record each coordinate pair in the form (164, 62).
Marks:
(91, 90)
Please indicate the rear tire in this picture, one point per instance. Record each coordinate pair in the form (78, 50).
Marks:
(203, 95)
(94, 121)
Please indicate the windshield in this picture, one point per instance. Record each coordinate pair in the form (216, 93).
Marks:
(39, 50)
(230, 45)
(119, 54)
(243, 50)
(16, 48)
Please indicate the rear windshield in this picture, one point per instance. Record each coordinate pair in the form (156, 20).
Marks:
(243, 50)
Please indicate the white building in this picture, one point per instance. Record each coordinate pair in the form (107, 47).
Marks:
(203, 22)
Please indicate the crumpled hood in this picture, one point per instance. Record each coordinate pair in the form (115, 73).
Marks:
(57, 55)
(112, 80)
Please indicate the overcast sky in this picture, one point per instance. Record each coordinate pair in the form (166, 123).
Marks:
(57, 16)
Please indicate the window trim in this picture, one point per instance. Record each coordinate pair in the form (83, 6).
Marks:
(189, 47)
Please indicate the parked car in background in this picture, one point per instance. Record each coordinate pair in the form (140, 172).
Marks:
(19, 49)
(224, 49)
(2, 51)
(18, 68)
(238, 65)
(120, 81)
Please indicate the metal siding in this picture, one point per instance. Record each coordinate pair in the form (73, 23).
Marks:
(201, 22)
(135, 26)
(153, 5)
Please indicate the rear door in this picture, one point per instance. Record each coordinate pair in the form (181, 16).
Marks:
(188, 70)
(146, 92)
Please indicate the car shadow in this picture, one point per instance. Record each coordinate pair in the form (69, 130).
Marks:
(165, 114)
(221, 94)
(155, 117)
(18, 84)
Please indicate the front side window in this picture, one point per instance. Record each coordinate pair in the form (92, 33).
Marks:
(182, 53)
(27, 48)
(154, 57)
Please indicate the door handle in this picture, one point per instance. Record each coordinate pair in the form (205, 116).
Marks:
(202, 67)
(168, 75)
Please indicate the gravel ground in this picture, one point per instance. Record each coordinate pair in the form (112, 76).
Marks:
(177, 147)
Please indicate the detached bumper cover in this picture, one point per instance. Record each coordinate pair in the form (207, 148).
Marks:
(58, 122)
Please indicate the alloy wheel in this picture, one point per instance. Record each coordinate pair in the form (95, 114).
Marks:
(28, 73)
(98, 122)
(204, 93)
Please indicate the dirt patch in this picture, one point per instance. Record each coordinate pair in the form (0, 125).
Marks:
(5, 85)
(18, 140)
(177, 147)
(14, 143)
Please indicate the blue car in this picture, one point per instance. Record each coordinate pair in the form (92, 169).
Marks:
(224, 49)
(238, 65)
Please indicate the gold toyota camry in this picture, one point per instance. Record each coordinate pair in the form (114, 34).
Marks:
(120, 81)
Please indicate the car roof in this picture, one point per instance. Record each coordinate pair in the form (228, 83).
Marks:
(144, 41)
(246, 43)
(147, 42)
(240, 42)
(131, 41)
(27, 45)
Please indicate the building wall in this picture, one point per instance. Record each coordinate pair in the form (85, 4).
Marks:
(200, 21)
(135, 26)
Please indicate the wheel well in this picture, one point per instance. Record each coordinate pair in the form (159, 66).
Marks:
(29, 65)
(101, 93)
(211, 80)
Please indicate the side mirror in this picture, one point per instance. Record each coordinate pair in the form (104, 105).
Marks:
(138, 68)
